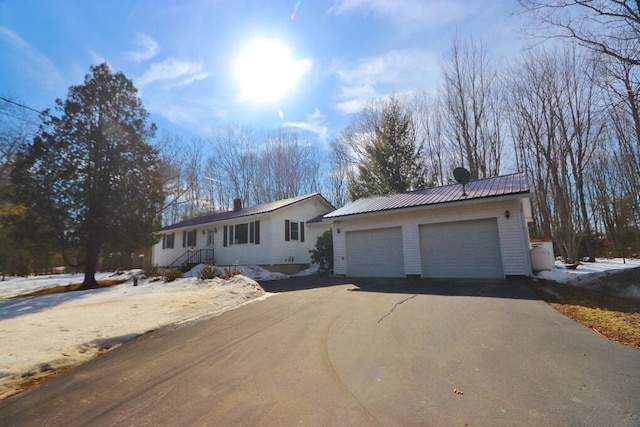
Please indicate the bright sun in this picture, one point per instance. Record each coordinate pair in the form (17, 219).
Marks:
(267, 72)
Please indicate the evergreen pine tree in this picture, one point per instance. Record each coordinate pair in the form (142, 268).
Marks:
(90, 179)
(392, 161)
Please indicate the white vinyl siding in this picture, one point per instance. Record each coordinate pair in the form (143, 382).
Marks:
(375, 253)
(463, 249)
(271, 249)
(512, 231)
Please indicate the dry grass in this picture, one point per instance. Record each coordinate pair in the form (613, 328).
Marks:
(69, 288)
(615, 318)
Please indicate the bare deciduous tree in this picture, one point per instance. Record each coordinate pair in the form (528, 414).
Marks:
(428, 118)
(472, 114)
(17, 127)
(288, 167)
(176, 183)
(609, 27)
(260, 168)
(341, 170)
(556, 124)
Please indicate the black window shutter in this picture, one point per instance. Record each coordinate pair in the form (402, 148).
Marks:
(257, 232)
(184, 238)
(231, 238)
(195, 236)
(224, 236)
(301, 231)
(164, 241)
(286, 230)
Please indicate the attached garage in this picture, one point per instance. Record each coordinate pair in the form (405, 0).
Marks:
(476, 231)
(462, 249)
(375, 253)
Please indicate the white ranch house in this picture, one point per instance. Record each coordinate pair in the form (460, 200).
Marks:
(276, 236)
(479, 231)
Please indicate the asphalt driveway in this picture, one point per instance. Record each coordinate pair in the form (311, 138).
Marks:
(355, 352)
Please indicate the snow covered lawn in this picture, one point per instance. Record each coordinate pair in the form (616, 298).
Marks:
(39, 335)
(590, 275)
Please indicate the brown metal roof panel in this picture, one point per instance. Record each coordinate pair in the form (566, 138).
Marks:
(491, 187)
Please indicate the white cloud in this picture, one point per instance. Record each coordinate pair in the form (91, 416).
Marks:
(168, 90)
(171, 70)
(96, 58)
(315, 123)
(355, 98)
(395, 71)
(190, 79)
(147, 49)
(408, 13)
(186, 110)
(32, 61)
(392, 67)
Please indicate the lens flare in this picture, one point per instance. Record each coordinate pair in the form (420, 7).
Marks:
(295, 10)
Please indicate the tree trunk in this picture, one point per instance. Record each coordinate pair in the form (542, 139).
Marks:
(90, 267)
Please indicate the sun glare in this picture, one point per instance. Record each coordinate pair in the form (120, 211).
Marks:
(266, 71)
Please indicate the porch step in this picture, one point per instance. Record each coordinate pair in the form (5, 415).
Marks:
(188, 266)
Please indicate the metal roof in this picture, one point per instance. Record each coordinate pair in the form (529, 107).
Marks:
(506, 185)
(252, 210)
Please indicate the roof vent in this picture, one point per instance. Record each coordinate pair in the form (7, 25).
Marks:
(237, 204)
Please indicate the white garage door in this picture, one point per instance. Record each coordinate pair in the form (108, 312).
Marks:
(464, 249)
(375, 253)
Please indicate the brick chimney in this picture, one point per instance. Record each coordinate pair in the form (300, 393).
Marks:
(237, 204)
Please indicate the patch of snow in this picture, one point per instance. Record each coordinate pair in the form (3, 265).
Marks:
(588, 274)
(194, 271)
(38, 334)
(259, 273)
(587, 271)
(13, 286)
(307, 272)
(251, 271)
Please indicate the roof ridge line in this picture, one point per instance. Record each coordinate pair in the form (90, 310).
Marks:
(448, 185)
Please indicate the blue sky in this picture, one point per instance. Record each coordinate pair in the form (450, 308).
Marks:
(185, 56)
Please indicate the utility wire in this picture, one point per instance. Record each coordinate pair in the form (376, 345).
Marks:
(19, 105)
(19, 118)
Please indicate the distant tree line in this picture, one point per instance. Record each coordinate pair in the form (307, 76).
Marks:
(236, 162)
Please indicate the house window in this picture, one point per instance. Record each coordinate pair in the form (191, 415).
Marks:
(239, 234)
(168, 240)
(293, 230)
(189, 238)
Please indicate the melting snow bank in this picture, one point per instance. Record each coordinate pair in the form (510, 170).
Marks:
(39, 335)
(613, 276)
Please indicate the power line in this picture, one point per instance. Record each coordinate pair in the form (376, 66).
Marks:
(20, 105)
(19, 118)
